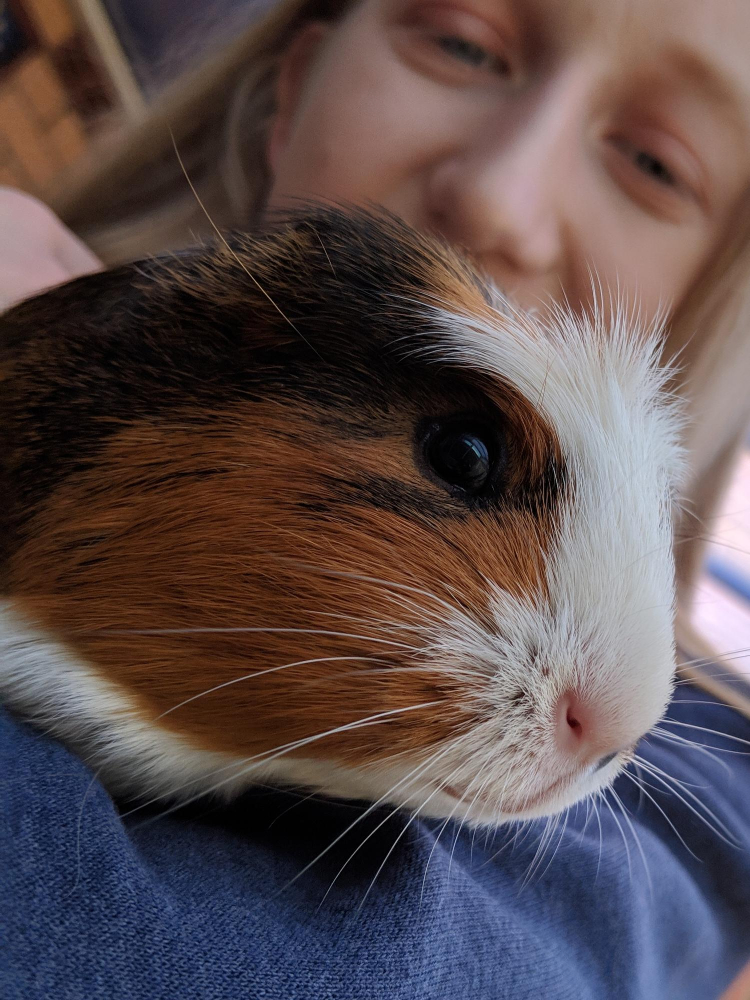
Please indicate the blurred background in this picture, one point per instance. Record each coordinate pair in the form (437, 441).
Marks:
(73, 73)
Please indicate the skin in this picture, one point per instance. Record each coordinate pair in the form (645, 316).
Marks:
(548, 139)
(36, 250)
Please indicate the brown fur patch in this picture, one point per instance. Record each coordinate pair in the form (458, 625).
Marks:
(174, 532)
(167, 481)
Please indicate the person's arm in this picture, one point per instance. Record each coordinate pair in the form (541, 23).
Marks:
(36, 250)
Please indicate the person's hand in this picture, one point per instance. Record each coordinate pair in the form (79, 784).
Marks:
(36, 250)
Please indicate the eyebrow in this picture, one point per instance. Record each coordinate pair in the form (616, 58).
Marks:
(712, 82)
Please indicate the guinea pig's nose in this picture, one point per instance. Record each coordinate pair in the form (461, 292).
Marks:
(572, 724)
(576, 731)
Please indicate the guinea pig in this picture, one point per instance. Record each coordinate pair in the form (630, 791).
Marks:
(316, 507)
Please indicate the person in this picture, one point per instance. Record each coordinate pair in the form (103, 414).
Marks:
(563, 146)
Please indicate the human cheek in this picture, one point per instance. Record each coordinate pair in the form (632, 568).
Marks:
(613, 247)
(645, 274)
(368, 125)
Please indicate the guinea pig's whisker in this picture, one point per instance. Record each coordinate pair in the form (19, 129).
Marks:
(440, 787)
(383, 822)
(705, 729)
(428, 615)
(653, 769)
(724, 678)
(493, 830)
(637, 768)
(266, 756)
(713, 540)
(565, 818)
(589, 813)
(480, 789)
(361, 578)
(729, 654)
(544, 841)
(500, 800)
(427, 668)
(301, 799)
(703, 748)
(416, 771)
(442, 827)
(725, 675)
(622, 834)
(381, 623)
(277, 752)
(511, 840)
(596, 803)
(222, 630)
(403, 830)
(641, 784)
(261, 673)
(672, 784)
(526, 828)
(648, 784)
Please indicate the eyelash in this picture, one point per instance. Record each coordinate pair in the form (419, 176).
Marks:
(642, 160)
(455, 46)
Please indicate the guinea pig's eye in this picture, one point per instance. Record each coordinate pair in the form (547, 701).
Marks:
(464, 454)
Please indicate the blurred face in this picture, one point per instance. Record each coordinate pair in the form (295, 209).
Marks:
(549, 138)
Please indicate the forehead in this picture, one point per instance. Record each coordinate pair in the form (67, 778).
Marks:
(702, 44)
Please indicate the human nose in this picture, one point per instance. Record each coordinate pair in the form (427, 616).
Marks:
(505, 194)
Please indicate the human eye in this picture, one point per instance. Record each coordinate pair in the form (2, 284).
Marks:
(453, 44)
(469, 53)
(653, 167)
(657, 171)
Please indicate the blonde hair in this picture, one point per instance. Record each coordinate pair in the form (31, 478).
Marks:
(136, 201)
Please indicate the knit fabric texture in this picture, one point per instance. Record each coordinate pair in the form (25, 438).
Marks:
(643, 900)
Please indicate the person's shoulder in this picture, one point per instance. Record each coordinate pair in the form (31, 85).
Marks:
(641, 895)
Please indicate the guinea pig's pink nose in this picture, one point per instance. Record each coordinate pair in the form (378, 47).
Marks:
(572, 724)
(577, 732)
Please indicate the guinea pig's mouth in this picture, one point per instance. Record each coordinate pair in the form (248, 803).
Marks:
(548, 800)
(464, 797)
(547, 795)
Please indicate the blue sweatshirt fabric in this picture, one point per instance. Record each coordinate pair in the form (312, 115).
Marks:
(648, 903)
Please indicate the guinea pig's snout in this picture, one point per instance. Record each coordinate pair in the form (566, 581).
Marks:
(579, 732)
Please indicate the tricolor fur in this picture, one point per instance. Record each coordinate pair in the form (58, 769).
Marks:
(225, 561)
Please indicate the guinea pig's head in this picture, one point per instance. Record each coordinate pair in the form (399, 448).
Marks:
(315, 508)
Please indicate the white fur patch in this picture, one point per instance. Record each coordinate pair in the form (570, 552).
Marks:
(136, 757)
(606, 631)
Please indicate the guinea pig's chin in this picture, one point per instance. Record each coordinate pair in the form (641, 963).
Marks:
(436, 799)
(552, 800)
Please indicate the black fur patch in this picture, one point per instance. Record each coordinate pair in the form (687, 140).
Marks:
(329, 322)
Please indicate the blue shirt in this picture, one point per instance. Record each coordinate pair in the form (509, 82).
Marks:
(648, 903)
